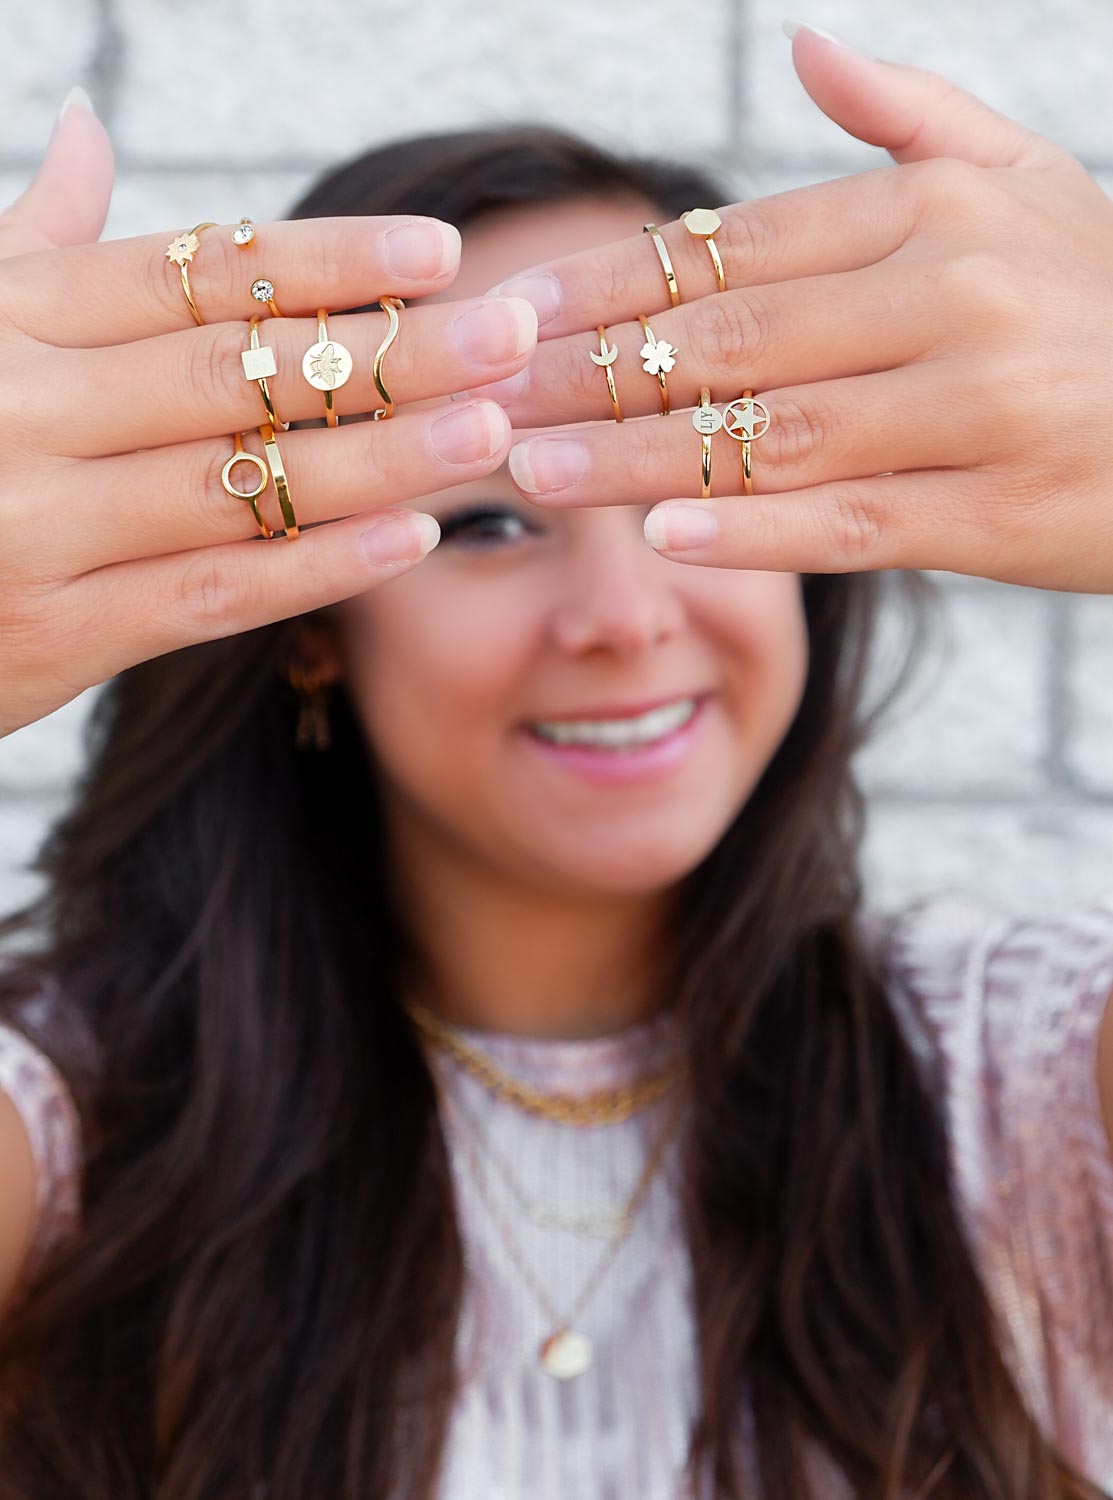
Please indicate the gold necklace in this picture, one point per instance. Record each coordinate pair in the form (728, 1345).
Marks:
(605, 1107)
(567, 1352)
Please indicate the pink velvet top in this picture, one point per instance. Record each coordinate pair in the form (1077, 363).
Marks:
(1010, 1002)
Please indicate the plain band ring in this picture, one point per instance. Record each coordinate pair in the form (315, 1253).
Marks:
(281, 483)
(666, 262)
(605, 359)
(181, 251)
(390, 306)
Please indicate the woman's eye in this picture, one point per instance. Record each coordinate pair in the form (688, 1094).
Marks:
(480, 525)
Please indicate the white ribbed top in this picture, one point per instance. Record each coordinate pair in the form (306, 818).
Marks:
(1012, 1003)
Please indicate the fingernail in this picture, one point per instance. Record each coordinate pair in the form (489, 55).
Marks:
(76, 97)
(425, 247)
(468, 434)
(675, 527)
(400, 537)
(502, 391)
(543, 291)
(542, 465)
(495, 331)
(790, 28)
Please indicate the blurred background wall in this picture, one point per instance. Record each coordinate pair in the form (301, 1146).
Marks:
(997, 775)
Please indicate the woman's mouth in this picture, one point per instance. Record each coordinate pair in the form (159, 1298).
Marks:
(630, 748)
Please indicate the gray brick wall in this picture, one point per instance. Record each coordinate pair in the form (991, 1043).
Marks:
(996, 776)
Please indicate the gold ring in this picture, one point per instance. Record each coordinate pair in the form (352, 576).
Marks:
(262, 289)
(181, 250)
(606, 358)
(707, 420)
(390, 306)
(242, 456)
(666, 263)
(326, 365)
(281, 483)
(258, 363)
(702, 223)
(742, 422)
(658, 357)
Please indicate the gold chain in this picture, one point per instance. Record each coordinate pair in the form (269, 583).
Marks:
(606, 1107)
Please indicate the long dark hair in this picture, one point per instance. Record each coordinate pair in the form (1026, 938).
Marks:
(262, 1294)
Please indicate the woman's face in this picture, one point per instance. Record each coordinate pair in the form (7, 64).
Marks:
(524, 615)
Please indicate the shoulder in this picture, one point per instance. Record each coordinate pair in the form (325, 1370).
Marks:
(1013, 1008)
(40, 1142)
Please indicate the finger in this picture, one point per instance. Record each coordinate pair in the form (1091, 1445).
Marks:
(193, 384)
(914, 113)
(826, 430)
(164, 603)
(121, 290)
(918, 519)
(816, 328)
(67, 200)
(172, 499)
(776, 238)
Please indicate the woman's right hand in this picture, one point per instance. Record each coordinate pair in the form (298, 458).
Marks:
(117, 412)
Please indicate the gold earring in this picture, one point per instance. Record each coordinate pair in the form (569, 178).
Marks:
(313, 721)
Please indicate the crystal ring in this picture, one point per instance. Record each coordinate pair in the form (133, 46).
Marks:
(326, 365)
(180, 251)
(658, 357)
(390, 306)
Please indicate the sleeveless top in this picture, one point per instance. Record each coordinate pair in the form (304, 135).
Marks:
(1001, 1009)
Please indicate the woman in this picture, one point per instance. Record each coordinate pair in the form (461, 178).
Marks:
(469, 1101)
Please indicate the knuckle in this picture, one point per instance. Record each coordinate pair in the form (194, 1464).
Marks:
(212, 593)
(978, 284)
(754, 238)
(211, 367)
(946, 183)
(730, 330)
(796, 434)
(855, 525)
(581, 378)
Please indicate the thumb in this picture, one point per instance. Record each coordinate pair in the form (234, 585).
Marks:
(913, 113)
(66, 202)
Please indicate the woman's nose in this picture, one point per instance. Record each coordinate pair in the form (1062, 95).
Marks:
(617, 593)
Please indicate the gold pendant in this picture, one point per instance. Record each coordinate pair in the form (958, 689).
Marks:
(566, 1353)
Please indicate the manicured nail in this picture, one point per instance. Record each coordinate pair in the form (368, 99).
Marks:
(790, 28)
(495, 331)
(400, 537)
(676, 526)
(76, 98)
(469, 434)
(544, 464)
(542, 290)
(425, 247)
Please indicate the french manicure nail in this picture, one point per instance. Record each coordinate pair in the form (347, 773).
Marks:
(76, 98)
(790, 28)
(468, 434)
(401, 537)
(424, 247)
(674, 527)
(543, 291)
(545, 464)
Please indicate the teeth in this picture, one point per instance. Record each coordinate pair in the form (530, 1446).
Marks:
(614, 733)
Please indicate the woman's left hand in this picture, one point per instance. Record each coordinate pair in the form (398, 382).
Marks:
(933, 342)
